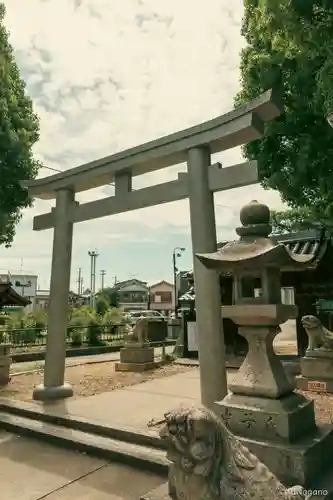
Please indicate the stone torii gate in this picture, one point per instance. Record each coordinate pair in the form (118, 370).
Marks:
(194, 146)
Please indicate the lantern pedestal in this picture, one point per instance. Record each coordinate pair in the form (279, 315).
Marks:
(275, 423)
(263, 411)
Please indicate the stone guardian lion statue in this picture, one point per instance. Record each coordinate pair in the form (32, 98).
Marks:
(209, 463)
(139, 333)
(319, 337)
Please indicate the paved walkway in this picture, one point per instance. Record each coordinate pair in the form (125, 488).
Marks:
(32, 470)
(137, 405)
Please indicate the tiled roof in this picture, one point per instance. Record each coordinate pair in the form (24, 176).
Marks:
(8, 297)
(312, 242)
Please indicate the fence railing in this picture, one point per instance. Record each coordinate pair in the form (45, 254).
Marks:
(92, 335)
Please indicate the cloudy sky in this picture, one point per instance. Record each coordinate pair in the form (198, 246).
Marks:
(105, 75)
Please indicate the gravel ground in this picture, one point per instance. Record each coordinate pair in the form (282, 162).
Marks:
(88, 380)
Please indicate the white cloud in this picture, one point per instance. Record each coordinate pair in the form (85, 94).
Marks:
(106, 75)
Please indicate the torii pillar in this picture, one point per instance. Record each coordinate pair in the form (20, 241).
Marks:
(211, 348)
(54, 386)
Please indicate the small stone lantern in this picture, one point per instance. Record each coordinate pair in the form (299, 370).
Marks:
(262, 407)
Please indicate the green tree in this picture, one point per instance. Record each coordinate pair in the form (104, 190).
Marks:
(290, 44)
(102, 304)
(293, 220)
(19, 131)
(112, 295)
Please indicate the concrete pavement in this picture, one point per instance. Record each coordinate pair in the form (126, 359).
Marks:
(32, 470)
(137, 405)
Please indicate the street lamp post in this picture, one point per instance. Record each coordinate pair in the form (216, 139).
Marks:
(177, 252)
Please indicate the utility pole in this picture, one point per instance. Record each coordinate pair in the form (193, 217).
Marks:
(103, 274)
(93, 254)
(79, 281)
(177, 252)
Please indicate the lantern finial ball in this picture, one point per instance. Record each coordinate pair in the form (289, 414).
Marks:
(254, 213)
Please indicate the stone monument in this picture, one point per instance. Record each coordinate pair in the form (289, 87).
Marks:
(137, 355)
(317, 364)
(262, 409)
(208, 463)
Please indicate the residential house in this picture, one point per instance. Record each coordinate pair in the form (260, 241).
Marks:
(74, 300)
(133, 294)
(162, 297)
(24, 284)
(42, 300)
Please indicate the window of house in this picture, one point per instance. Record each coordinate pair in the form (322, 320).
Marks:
(163, 297)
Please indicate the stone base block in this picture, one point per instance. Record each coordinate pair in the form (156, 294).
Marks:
(314, 384)
(137, 354)
(5, 362)
(287, 418)
(274, 431)
(4, 379)
(136, 367)
(305, 462)
(319, 367)
(319, 353)
(42, 393)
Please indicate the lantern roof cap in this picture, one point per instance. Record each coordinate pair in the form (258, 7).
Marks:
(255, 249)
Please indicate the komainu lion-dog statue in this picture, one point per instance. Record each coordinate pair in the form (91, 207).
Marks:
(319, 337)
(139, 333)
(209, 463)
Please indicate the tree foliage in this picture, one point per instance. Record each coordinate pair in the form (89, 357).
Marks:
(111, 296)
(290, 44)
(293, 220)
(19, 131)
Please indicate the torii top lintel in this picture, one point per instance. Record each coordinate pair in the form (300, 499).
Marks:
(243, 124)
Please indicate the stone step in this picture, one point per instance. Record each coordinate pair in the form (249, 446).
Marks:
(32, 411)
(138, 456)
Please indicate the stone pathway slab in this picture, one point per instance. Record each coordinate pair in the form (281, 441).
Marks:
(137, 405)
(31, 469)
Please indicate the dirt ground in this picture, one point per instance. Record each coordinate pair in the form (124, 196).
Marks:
(88, 380)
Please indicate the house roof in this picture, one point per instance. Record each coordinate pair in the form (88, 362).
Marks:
(131, 285)
(8, 297)
(163, 282)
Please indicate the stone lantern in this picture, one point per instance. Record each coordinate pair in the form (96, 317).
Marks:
(262, 408)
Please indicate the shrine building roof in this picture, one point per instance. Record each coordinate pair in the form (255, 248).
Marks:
(8, 297)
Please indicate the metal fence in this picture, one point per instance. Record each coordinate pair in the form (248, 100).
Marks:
(92, 335)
